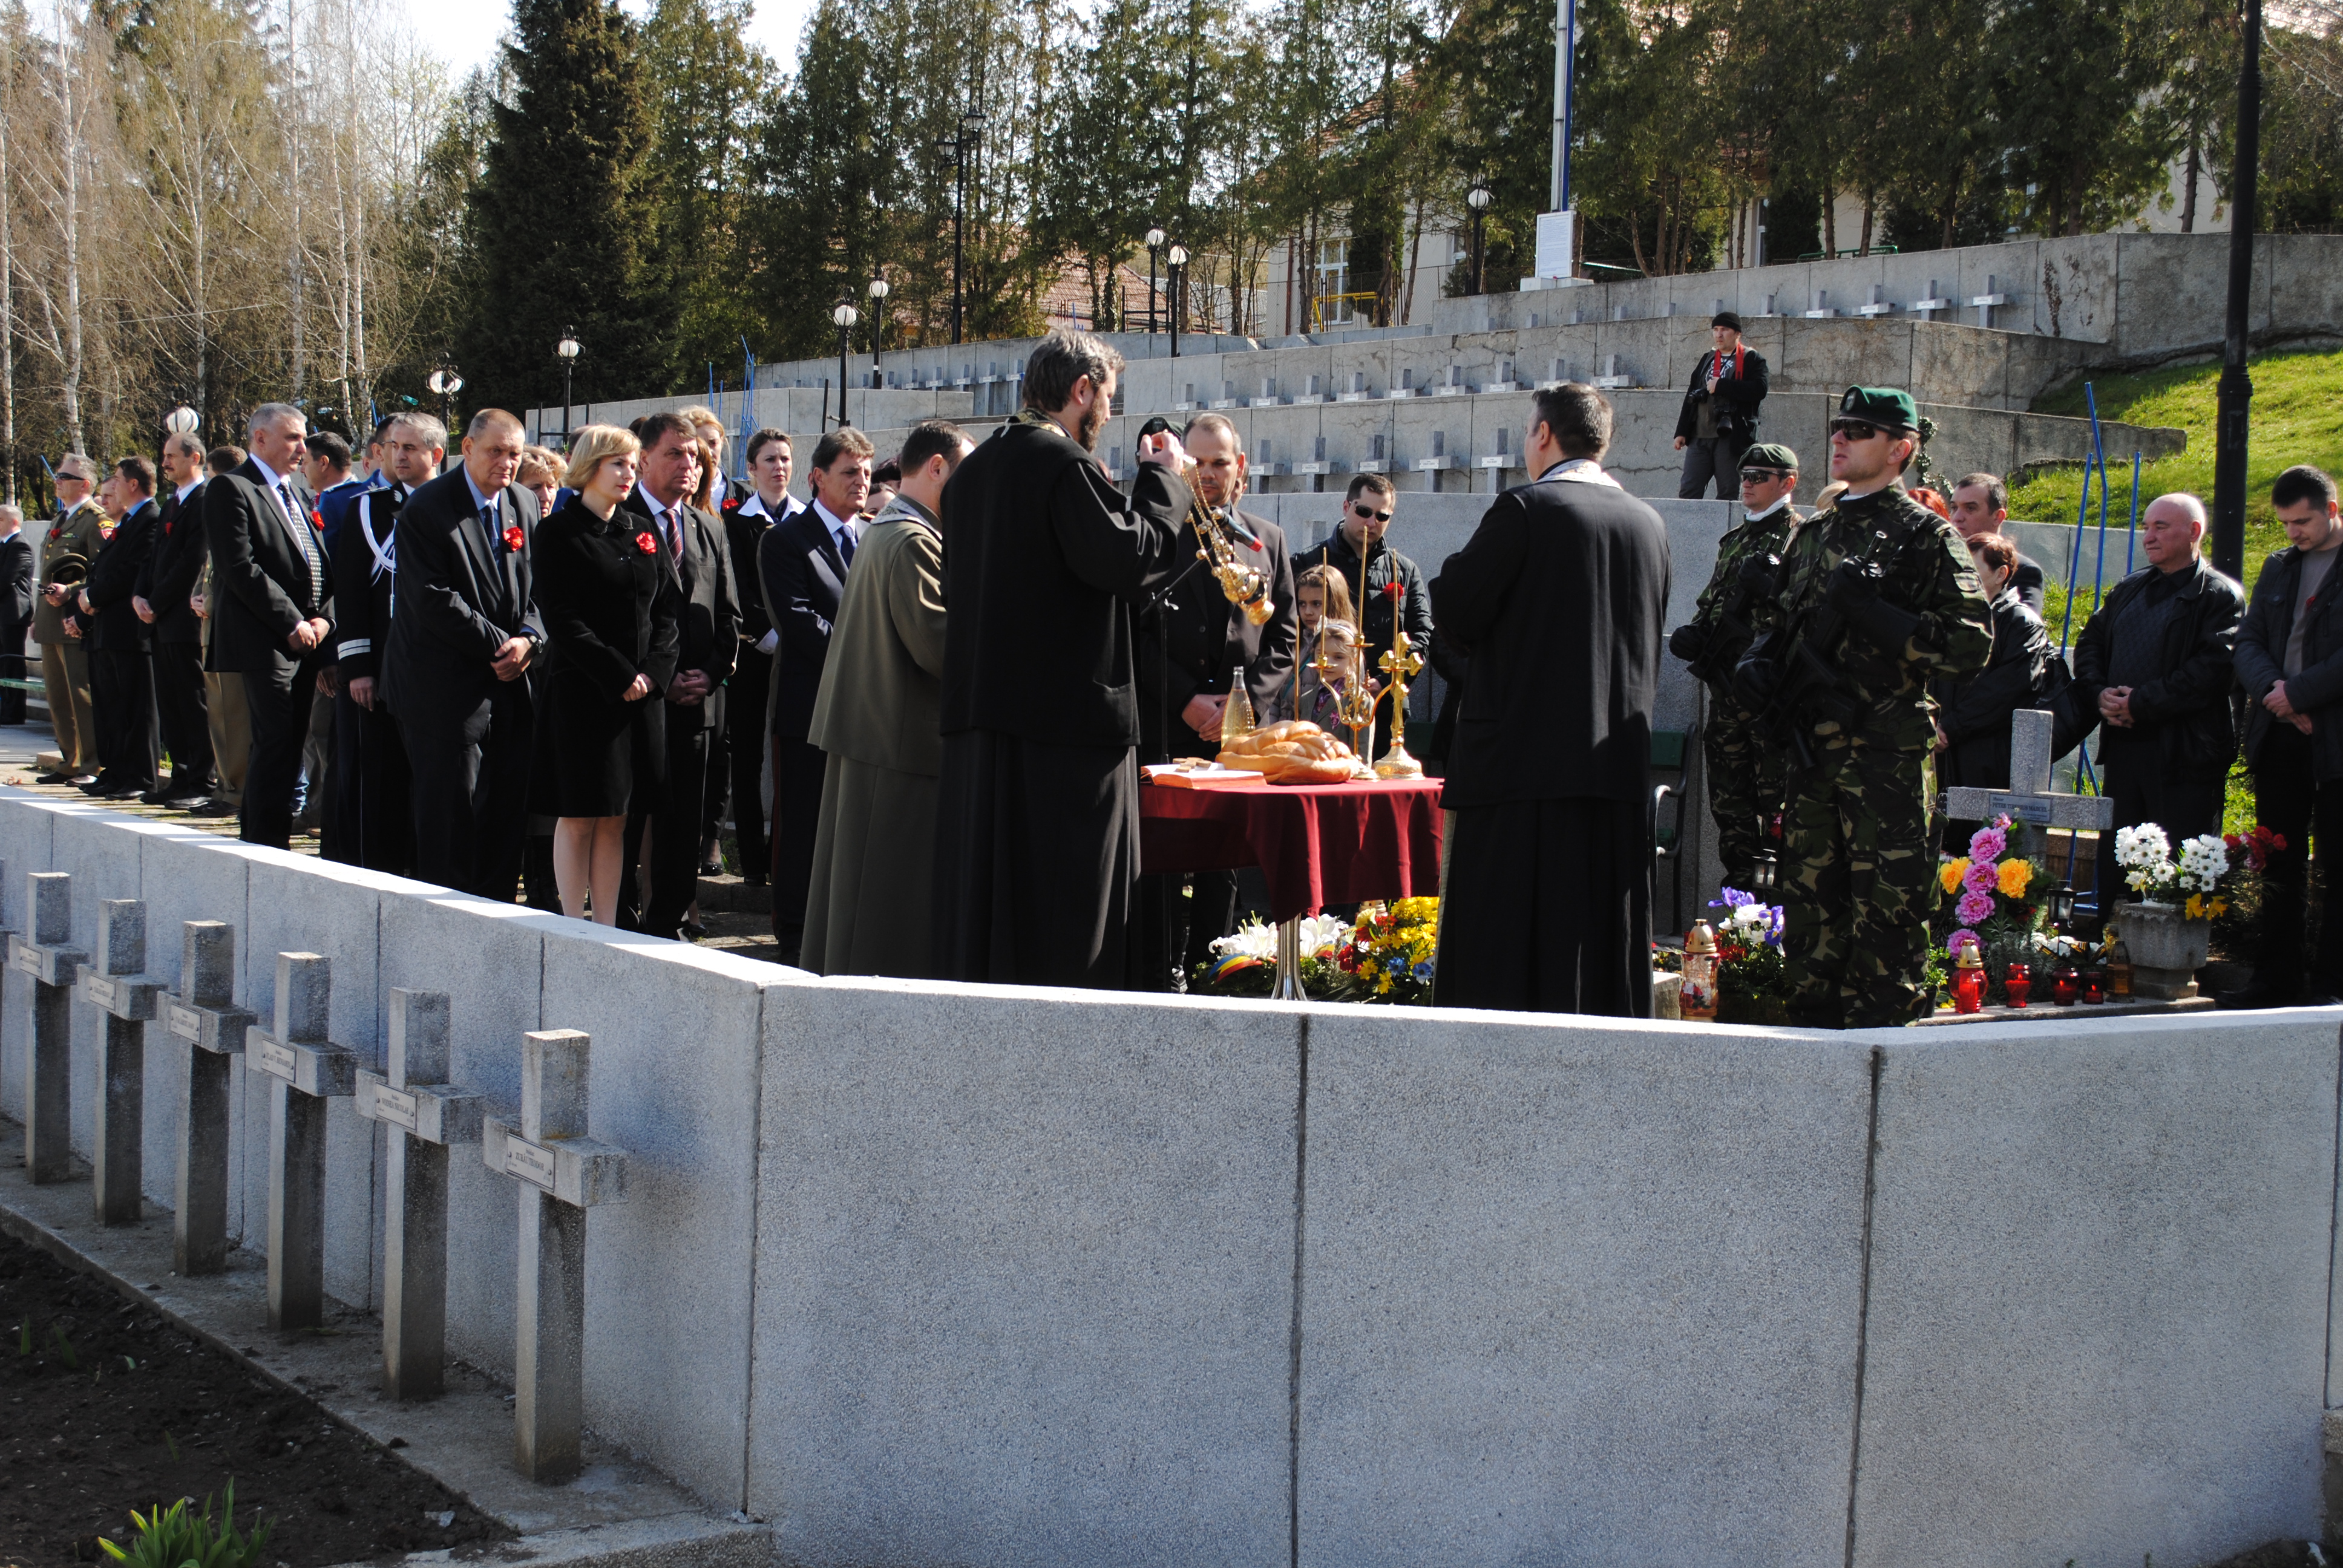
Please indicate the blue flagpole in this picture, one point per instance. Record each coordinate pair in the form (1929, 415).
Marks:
(2131, 534)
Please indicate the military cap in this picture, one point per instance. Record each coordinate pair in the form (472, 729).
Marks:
(1770, 455)
(1882, 406)
(1725, 318)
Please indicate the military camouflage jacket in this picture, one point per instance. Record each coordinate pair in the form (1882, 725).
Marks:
(1928, 573)
(1740, 542)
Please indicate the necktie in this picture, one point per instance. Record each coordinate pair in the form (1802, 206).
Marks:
(846, 545)
(308, 542)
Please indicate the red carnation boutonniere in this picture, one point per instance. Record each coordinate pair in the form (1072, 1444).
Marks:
(644, 543)
(1394, 588)
(316, 519)
(513, 537)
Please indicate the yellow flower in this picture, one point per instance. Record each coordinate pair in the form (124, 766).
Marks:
(2218, 906)
(2014, 876)
(2195, 908)
(1951, 873)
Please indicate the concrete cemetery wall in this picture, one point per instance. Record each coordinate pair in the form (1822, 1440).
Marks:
(976, 1275)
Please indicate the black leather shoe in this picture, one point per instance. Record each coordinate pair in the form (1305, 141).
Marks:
(711, 867)
(62, 776)
(755, 879)
(121, 792)
(97, 785)
(692, 930)
(212, 808)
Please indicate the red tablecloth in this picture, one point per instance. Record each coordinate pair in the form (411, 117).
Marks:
(1316, 844)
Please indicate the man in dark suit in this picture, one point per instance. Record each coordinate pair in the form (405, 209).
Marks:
(1719, 418)
(463, 630)
(374, 803)
(15, 610)
(803, 564)
(692, 548)
(271, 606)
(1558, 599)
(121, 672)
(177, 632)
(748, 518)
(1980, 504)
(1191, 639)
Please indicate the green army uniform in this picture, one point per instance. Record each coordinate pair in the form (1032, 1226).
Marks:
(1858, 879)
(1744, 774)
(65, 662)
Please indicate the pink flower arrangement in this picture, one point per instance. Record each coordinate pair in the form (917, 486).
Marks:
(1975, 906)
(1953, 943)
(1979, 878)
(1987, 844)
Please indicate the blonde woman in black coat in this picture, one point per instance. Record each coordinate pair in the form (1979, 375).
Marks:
(611, 614)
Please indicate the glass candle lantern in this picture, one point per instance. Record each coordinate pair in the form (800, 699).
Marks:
(2017, 984)
(1698, 993)
(2064, 985)
(1968, 980)
(2093, 987)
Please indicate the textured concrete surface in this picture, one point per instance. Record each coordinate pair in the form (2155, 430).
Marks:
(1025, 1278)
(1578, 1295)
(2098, 1318)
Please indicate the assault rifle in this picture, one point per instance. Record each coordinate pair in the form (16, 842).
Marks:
(1712, 650)
(1787, 680)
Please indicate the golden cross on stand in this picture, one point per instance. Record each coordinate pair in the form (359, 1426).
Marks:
(1402, 664)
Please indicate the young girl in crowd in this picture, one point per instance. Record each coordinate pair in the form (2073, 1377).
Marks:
(1322, 602)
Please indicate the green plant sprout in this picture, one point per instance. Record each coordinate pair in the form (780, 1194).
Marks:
(64, 1347)
(176, 1538)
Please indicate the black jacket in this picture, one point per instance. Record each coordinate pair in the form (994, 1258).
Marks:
(458, 597)
(261, 586)
(1975, 709)
(1045, 566)
(802, 582)
(2182, 715)
(743, 532)
(1381, 610)
(1560, 600)
(2026, 582)
(2318, 690)
(16, 591)
(365, 555)
(173, 568)
(707, 606)
(1736, 397)
(113, 626)
(1192, 638)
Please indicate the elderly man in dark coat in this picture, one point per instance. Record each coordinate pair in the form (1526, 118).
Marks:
(1558, 599)
(1037, 813)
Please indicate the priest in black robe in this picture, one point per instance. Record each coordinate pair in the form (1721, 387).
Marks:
(1037, 809)
(1559, 599)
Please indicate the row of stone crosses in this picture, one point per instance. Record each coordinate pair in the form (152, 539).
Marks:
(561, 1172)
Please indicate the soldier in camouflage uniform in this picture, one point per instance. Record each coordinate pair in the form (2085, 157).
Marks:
(1745, 775)
(1879, 596)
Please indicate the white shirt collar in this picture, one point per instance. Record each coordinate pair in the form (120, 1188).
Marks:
(186, 490)
(830, 520)
(480, 500)
(755, 507)
(1749, 516)
(275, 478)
(1583, 470)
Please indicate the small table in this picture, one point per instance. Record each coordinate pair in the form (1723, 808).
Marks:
(1316, 844)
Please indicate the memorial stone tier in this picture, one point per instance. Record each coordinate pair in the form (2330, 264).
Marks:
(117, 985)
(203, 1016)
(48, 956)
(310, 1069)
(562, 1174)
(424, 1115)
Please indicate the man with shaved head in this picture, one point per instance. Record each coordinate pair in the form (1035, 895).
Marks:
(2157, 662)
(463, 632)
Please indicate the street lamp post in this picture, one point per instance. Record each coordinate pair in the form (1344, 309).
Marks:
(1154, 243)
(447, 384)
(1178, 257)
(566, 351)
(846, 315)
(1478, 198)
(878, 292)
(181, 421)
(963, 145)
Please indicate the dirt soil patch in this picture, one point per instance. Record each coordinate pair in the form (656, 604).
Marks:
(106, 1407)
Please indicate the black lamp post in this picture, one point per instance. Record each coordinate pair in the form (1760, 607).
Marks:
(963, 146)
(1178, 257)
(1478, 198)
(1154, 244)
(846, 315)
(878, 291)
(567, 350)
(447, 384)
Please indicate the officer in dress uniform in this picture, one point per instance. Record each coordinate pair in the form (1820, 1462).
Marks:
(1878, 598)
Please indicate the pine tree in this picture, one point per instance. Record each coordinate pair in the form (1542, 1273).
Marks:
(561, 220)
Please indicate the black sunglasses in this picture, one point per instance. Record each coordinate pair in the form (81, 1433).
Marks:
(1760, 476)
(1370, 512)
(1854, 429)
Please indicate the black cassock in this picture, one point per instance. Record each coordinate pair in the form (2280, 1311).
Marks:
(1037, 809)
(1560, 599)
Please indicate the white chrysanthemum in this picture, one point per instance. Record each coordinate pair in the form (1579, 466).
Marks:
(1752, 915)
(1251, 941)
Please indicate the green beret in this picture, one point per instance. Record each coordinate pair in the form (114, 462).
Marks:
(1882, 406)
(1770, 455)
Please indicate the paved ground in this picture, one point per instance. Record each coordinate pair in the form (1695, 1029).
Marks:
(738, 917)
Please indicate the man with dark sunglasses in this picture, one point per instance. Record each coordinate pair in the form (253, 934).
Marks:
(1879, 597)
(1394, 592)
(1745, 773)
(1719, 418)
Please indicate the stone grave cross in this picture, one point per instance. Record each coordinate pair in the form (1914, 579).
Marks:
(310, 1069)
(202, 1015)
(52, 963)
(117, 985)
(562, 1174)
(2029, 797)
(423, 1115)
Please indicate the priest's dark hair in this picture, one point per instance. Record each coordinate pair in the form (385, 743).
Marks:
(766, 437)
(846, 438)
(1063, 359)
(2303, 483)
(1577, 417)
(930, 439)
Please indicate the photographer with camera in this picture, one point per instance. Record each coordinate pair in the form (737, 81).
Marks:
(1745, 775)
(1719, 417)
(1880, 598)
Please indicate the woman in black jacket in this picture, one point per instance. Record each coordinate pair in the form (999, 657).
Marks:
(1975, 709)
(610, 617)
